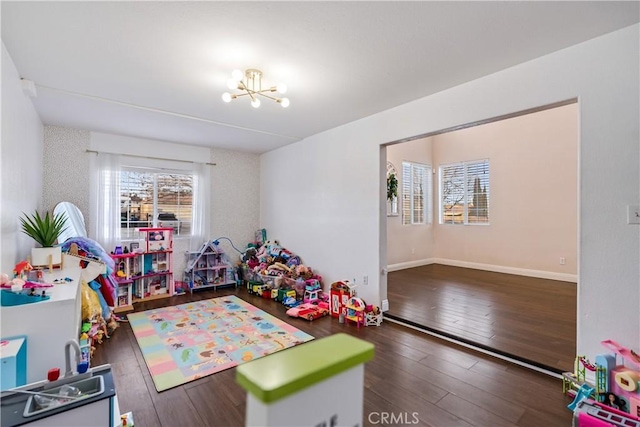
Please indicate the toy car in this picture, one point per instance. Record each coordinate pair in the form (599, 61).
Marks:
(291, 302)
(258, 289)
(307, 311)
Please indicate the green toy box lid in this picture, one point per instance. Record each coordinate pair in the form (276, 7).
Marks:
(286, 372)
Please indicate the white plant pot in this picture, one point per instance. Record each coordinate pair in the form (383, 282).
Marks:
(40, 256)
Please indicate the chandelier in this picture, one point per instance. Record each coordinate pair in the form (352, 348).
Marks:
(250, 84)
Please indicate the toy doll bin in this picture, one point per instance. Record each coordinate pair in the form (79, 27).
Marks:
(9, 298)
(297, 285)
(273, 281)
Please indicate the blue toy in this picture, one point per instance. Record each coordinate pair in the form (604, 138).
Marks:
(583, 393)
(291, 302)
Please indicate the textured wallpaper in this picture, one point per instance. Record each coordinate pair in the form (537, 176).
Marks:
(235, 198)
(235, 192)
(66, 169)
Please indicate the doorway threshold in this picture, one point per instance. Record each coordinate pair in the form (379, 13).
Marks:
(507, 357)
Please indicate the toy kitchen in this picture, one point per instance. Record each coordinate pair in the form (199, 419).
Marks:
(75, 399)
(41, 393)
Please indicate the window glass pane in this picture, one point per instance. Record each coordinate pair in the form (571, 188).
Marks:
(406, 193)
(153, 199)
(175, 201)
(418, 197)
(478, 192)
(428, 172)
(464, 189)
(136, 201)
(452, 193)
(416, 193)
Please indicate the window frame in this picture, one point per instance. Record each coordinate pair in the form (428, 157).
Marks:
(465, 179)
(427, 197)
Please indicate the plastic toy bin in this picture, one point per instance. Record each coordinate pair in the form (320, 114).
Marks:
(297, 285)
(9, 298)
(272, 281)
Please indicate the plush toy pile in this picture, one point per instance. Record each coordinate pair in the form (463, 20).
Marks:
(272, 260)
(98, 287)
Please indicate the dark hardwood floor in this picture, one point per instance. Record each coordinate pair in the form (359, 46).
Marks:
(529, 318)
(446, 385)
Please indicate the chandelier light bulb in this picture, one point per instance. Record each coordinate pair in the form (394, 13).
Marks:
(237, 75)
(248, 85)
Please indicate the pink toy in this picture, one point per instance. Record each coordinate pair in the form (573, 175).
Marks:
(308, 311)
(4, 279)
(589, 413)
(622, 378)
(36, 285)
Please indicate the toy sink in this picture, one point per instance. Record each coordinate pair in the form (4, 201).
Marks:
(97, 405)
(89, 387)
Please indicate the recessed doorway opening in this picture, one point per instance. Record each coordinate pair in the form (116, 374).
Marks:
(484, 243)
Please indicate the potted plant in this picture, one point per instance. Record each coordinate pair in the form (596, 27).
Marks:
(392, 187)
(45, 231)
(392, 194)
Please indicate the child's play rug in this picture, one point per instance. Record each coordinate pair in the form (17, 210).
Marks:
(189, 341)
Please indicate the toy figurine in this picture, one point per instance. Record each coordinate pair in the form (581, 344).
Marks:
(22, 269)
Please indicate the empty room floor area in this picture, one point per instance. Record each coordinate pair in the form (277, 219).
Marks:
(530, 319)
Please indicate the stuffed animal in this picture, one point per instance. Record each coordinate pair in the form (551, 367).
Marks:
(4, 280)
(302, 271)
(249, 254)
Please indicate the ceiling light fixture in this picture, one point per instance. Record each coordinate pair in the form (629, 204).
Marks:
(251, 85)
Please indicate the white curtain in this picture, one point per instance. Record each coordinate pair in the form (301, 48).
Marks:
(105, 200)
(201, 205)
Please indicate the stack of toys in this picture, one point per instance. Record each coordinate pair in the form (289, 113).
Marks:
(273, 264)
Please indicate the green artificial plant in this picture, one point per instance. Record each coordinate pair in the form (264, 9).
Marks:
(392, 187)
(44, 231)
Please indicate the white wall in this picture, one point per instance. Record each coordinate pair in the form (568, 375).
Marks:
(21, 159)
(332, 211)
(409, 243)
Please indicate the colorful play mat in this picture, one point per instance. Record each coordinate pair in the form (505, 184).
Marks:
(185, 342)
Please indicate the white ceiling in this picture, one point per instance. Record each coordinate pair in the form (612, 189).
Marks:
(158, 69)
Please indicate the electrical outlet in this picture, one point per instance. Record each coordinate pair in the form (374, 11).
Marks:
(365, 280)
(413, 251)
(563, 261)
(633, 214)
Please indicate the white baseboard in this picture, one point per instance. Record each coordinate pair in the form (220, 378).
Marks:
(487, 267)
(410, 264)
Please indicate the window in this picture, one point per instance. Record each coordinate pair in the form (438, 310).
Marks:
(464, 193)
(150, 198)
(416, 193)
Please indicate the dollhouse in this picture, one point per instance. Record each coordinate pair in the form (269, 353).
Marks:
(209, 267)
